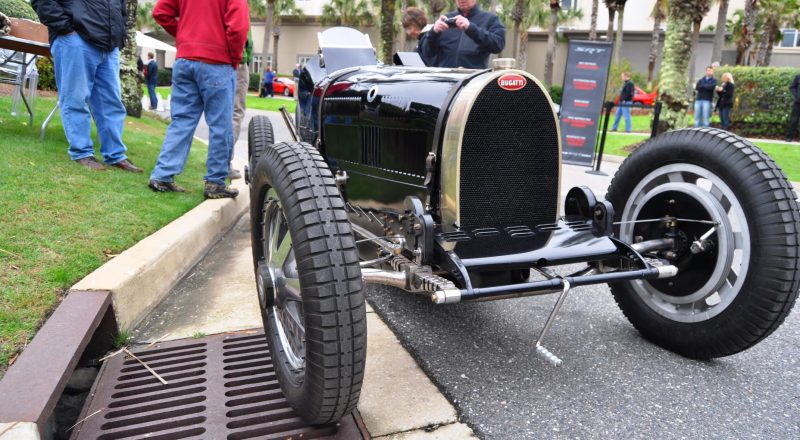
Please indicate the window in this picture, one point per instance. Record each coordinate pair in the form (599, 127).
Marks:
(569, 4)
(303, 59)
(790, 37)
(257, 65)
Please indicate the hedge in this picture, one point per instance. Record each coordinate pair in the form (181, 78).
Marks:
(555, 93)
(164, 77)
(47, 77)
(763, 101)
(254, 81)
(18, 9)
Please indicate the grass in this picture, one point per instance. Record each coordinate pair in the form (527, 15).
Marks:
(60, 221)
(786, 155)
(253, 101)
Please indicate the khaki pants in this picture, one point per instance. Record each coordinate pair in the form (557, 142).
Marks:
(240, 98)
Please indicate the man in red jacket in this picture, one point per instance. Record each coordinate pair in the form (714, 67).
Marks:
(210, 36)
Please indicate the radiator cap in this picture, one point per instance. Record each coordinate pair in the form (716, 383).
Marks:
(504, 64)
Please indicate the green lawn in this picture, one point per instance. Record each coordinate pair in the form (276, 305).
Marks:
(787, 156)
(60, 220)
(253, 101)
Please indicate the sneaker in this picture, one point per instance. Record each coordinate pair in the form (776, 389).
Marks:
(234, 174)
(159, 186)
(214, 191)
(91, 163)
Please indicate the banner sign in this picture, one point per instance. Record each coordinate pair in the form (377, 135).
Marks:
(582, 99)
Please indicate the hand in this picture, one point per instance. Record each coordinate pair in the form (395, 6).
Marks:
(462, 22)
(440, 25)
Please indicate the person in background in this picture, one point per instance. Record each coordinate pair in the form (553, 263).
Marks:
(625, 101)
(266, 85)
(85, 39)
(705, 94)
(140, 65)
(791, 132)
(240, 100)
(415, 24)
(725, 93)
(151, 78)
(467, 40)
(211, 36)
(296, 73)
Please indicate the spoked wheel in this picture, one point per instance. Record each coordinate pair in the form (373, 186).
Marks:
(740, 286)
(309, 282)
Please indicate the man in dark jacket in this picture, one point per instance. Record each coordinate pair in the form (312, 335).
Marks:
(791, 133)
(152, 80)
(467, 39)
(85, 39)
(705, 88)
(625, 101)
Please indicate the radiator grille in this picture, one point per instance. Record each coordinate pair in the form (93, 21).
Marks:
(509, 159)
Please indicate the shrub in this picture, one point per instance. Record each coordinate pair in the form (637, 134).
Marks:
(555, 94)
(47, 77)
(18, 9)
(254, 82)
(762, 100)
(164, 77)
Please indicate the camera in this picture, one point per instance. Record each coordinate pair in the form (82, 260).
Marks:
(451, 22)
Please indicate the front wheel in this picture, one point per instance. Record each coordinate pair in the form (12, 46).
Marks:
(309, 282)
(738, 288)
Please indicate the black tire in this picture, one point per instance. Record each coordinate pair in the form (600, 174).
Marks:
(320, 352)
(259, 138)
(754, 268)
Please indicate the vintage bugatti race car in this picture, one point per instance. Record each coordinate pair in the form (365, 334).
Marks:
(445, 183)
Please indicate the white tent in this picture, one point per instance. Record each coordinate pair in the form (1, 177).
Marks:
(143, 40)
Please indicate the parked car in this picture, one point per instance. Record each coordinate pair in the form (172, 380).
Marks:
(641, 97)
(283, 85)
(445, 183)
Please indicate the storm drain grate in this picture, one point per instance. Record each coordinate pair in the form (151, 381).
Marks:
(219, 387)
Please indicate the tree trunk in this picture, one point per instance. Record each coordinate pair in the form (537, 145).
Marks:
(387, 30)
(593, 24)
(618, 36)
(748, 29)
(276, 36)
(515, 53)
(772, 35)
(691, 71)
(516, 16)
(651, 64)
(677, 43)
(522, 60)
(719, 32)
(551, 43)
(267, 38)
(130, 80)
(401, 41)
(610, 32)
(437, 6)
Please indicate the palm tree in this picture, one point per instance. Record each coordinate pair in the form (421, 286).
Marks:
(593, 24)
(659, 14)
(611, 5)
(130, 80)
(144, 16)
(746, 32)
(538, 15)
(620, 8)
(774, 15)
(699, 10)
(672, 84)
(719, 31)
(268, 20)
(354, 13)
(387, 30)
(283, 8)
(555, 7)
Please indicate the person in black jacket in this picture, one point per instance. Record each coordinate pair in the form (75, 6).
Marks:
(85, 39)
(415, 24)
(725, 93)
(152, 80)
(705, 94)
(467, 39)
(791, 133)
(625, 101)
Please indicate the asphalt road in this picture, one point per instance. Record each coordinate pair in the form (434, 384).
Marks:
(613, 384)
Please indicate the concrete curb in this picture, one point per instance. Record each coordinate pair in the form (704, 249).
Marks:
(143, 275)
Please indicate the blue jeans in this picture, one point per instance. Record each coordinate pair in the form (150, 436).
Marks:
(151, 91)
(199, 87)
(725, 116)
(702, 113)
(623, 112)
(86, 73)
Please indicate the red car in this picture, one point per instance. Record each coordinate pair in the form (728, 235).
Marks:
(283, 85)
(640, 97)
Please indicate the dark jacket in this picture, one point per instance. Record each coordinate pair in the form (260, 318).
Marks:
(725, 97)
(705, 88)
(627, 92)
(471, 48)
(152, 73)
(795, 89)
(419, 49)
(101, 23)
